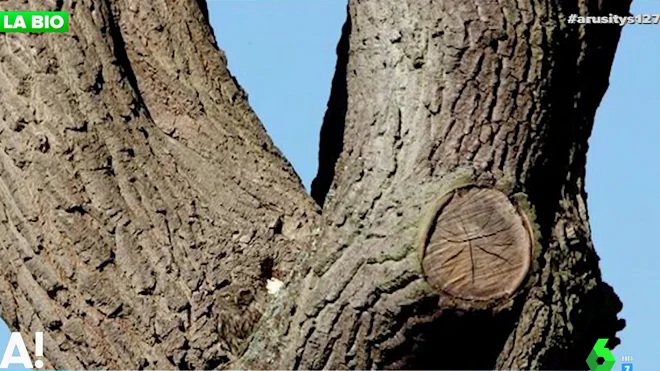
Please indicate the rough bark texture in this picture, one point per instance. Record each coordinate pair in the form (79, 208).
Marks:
(143, 205)
(139, 194)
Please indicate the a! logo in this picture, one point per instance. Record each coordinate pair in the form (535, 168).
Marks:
(17, 345)
(599, 351)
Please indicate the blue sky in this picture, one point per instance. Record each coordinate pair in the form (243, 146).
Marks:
(283, 54)
(623, 181)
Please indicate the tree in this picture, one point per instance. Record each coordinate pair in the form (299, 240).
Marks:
(144, 207)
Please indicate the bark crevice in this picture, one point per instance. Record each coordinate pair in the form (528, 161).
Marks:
(123, 61)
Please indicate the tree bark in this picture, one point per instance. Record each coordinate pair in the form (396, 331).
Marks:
(140, 194)
(144, 207)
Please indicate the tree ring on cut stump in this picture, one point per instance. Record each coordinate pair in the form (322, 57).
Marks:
(477, 247)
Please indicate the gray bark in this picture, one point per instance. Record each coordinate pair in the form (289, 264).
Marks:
(143, 205)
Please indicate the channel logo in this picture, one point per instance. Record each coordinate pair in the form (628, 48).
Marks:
(600, 351)
(33, 22)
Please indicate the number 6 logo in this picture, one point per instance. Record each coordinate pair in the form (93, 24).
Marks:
(599, 351)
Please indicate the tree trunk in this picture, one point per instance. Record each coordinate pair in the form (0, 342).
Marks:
(140, 195)
(144, 207)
